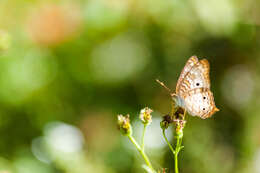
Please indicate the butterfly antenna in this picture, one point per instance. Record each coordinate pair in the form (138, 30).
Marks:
(164, 86)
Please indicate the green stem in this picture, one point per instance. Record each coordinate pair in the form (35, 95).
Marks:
(176, 156)
(146, 159)
(177, 150)
(169, 144)
(176, 163)
(145, 125)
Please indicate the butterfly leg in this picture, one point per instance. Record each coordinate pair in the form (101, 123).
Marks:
(184, 114)
(173, 108)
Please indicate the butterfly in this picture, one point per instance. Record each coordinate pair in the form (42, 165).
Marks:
(193, 89)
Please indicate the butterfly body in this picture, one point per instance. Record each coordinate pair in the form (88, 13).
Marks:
(193, 89)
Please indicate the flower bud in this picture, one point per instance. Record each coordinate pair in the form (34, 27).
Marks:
(145, 115)
(164, 124)
(124, 124)
(179, 133)
(167, 120)
(180, 124)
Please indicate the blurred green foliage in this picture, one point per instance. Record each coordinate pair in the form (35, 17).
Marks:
(69, 67)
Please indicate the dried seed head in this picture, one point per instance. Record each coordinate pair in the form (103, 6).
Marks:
(124, 125)
(180, 124)
(167, 120)
(145, 115)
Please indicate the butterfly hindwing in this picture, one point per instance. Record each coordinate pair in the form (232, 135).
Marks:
(200, 102)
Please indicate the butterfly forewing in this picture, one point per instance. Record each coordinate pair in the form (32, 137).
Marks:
(188, 66)
(197, 77)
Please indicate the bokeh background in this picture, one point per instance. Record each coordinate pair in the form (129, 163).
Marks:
(68, 67)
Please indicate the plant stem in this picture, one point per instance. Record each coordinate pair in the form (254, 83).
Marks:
(176, 157)
(176, 163)
(169, 144)
(145, 125)
(146, 159)
(177, 150)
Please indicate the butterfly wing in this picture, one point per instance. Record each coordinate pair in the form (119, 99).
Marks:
(200, 102)
(196, 77)
(188, 66)
(193, 89)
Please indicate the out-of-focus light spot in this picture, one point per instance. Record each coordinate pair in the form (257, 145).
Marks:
(97, 135)
(218, 17)
(5, 40)
(105, 14)
(22, 75)
(237, 86)
(156, 9)
(256, 163)
(52, 24)
(64, 138)
(39, 150)
(153, 136)
(5, 166)
(118, 60)
(63, 144)
(117, 4)
(28, 164)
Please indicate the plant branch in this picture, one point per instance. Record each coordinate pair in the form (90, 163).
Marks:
(177, 150)
(179, 135)
(169, 144)
(145, 125)
(146, 159)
